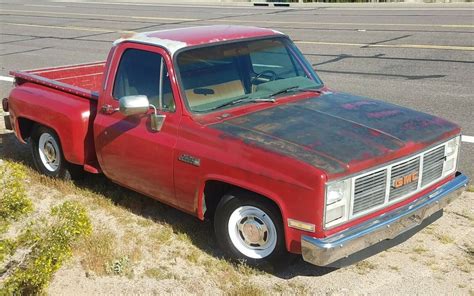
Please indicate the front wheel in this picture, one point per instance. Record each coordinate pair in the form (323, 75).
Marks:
(249, 228)
(48, 155)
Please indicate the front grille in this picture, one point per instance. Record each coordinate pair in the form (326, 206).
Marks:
(432, 165)
(371, 190)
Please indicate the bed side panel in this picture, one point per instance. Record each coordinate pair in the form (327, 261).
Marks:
(87, 76)
(70, 116)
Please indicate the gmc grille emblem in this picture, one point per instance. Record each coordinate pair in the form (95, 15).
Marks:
(407, 179)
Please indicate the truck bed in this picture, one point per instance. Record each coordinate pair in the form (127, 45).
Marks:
(82, 80)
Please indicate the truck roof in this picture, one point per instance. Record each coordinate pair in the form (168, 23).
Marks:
(175, 39)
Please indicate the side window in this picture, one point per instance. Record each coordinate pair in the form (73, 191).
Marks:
(139, 74)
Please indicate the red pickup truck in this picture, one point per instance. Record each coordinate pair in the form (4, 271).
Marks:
(232, 123)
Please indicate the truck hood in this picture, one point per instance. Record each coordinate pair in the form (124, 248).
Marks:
(336, 131)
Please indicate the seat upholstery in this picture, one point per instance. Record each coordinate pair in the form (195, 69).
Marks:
(218, 82)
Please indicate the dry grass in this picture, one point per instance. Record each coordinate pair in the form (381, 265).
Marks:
(161, 235)
(364, 267)
(158, 273)
(469, 249)
(466, 214)
(394, 268)
(193, 256)
(245, 289)
(183, 237)
(97, 251)
(470, 188)
(145, 222)
(132, 243)
(103, 253)
(298, 288)
(420, 250)
(464, 265)
(444, 238)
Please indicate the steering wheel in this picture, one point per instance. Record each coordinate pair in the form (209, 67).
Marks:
(268, 73)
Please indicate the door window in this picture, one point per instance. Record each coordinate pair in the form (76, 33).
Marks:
(144, 73)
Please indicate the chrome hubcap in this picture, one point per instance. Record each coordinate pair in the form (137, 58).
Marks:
(50, 153)
(48, 150)
(253, 231)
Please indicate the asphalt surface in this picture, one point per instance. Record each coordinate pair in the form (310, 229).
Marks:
(421, 58)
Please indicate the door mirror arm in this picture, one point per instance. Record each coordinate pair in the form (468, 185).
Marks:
(139, 104)
(157, 120)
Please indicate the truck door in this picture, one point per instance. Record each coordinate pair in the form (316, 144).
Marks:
(130, 153)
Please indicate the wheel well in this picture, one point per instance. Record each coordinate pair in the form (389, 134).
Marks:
(26, 127)
(215, 190)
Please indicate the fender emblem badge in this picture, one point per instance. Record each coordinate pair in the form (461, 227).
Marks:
(190, 159)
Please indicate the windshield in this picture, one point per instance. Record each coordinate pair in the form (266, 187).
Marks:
(215, 75)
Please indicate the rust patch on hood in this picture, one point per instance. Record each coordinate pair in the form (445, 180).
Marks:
(334, 130)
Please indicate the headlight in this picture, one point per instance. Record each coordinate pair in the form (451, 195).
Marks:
(337, 202)
(451, 156)
(452, 146)
(335, 192)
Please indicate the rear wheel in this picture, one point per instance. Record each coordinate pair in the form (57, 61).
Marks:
(48, 155)
(249, 228)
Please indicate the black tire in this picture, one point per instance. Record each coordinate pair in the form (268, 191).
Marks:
(245, 203)
(60, 168)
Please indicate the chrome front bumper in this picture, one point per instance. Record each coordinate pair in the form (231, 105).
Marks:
(389, 225)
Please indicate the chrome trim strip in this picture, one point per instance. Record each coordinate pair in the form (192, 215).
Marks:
(392, 162)
(386, 226)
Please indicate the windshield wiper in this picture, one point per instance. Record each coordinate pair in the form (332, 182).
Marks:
(293, 88)
(245, 99)
(267, 98)
(283, 91)
(310, 89)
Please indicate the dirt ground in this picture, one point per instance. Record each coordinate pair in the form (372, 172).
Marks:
(140, 246)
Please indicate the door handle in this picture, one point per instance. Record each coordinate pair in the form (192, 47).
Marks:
(108, 109)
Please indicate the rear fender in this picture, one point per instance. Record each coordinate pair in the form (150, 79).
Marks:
(69, 116)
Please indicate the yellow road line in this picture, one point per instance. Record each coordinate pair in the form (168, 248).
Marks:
(68, 28)
(102, 15)
(340, 24)
(418, 46)
(236, 20)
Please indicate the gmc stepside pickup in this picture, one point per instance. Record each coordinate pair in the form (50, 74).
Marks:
(232, 123)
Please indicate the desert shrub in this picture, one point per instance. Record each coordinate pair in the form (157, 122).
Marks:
(14, 202)
(69, 222)
(7, 247)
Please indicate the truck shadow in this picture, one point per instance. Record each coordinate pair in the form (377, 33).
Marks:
(200, 233)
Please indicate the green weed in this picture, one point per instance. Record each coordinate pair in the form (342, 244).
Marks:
(14, 202)
(70, 221)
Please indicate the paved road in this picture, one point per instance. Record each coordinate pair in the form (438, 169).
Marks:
(422, 58)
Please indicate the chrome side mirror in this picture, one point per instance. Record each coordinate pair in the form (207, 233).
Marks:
(134, 105)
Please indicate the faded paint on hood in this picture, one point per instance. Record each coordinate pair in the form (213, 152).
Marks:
(335, 130)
